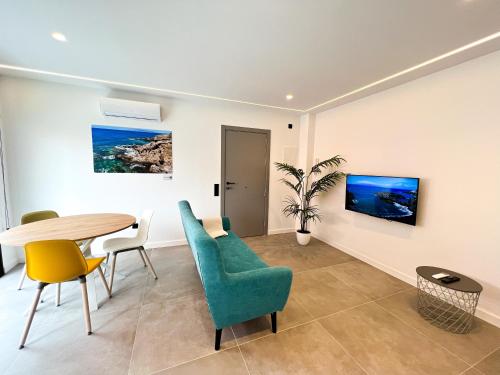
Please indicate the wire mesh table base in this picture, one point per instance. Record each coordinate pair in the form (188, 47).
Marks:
(446, 308)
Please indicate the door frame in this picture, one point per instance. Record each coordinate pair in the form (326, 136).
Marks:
(267, 133)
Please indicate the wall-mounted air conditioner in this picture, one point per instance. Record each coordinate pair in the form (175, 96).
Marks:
(130, 109)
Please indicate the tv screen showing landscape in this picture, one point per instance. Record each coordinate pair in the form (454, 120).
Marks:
(391, 198)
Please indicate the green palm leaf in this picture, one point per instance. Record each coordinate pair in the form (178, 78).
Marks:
(333, 161)
(324, 184)
(301, 207)
(295, 187)
(290, 170)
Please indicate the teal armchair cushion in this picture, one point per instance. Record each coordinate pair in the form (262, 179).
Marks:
(238, 285)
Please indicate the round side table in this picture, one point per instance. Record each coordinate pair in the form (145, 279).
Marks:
(448, 306)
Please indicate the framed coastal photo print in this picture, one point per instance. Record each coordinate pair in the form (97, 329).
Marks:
(130, 150)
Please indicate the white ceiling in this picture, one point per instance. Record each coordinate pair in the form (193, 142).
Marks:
(256, 50)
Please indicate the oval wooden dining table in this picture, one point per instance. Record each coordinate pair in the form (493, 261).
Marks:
(85, 228)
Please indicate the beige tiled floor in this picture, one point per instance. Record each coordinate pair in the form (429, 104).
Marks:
(343, 317)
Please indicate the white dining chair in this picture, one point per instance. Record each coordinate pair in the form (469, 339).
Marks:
(115, 246)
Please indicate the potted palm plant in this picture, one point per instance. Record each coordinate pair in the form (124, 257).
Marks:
(307, 186)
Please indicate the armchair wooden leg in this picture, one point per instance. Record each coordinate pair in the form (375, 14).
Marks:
(150, 265)
(142, 257)
(112, 276)
(21, 280)
(31, 314)
(85, 300)
(274, 324)
(103, 279)
(218, 335)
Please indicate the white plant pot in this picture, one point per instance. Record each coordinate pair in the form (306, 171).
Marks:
(303, 238)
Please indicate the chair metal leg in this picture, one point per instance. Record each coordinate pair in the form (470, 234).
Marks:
(85, 300)
(149, 263)
(42, 297)
(103, 279)
(31, 314)
(112, 276)
(274, 324)
(21, 280)
(106, 263)
(218, 335)
(58, 294)
(142, 257)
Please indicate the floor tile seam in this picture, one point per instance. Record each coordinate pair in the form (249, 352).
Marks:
(197, 358)
(391, 295)
(12, 363)
(52, 317)
(320, 268)
(370, 299)
(241, 353)
(186, 296)
(472, 368)
(342, 311)
(305, 308)
(305, 323)
(467, 369)
(135, 338)
(424, 335)
(141, 306)
(271, 334)
(174, 299)
(311, 316)
(191, 360)
(482, 359)
(343, 348)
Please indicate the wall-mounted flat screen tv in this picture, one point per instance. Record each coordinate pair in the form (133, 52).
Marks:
(391, 198)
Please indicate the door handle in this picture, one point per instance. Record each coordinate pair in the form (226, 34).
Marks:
(230, 183)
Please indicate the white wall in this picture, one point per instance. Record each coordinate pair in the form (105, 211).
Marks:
(445, 129)
(49, 155)
(9, 255)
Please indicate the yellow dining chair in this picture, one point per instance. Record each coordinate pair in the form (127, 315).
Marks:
(31, 217)
(57, 261)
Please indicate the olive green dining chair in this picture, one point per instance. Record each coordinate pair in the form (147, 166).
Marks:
(31, 217)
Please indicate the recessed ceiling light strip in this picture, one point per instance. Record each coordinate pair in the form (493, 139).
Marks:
(413, 68)
(182, 93)
(138, 87)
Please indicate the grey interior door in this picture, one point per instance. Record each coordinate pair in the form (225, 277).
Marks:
(245, 179)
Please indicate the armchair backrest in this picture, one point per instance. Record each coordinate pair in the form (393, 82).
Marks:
(144, 223)
(205, 249)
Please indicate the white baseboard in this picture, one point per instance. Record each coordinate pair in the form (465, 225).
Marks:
(282, 230)
(488, 316)
(169, 243)
(8, 265)
(183, 241)
(481, 313)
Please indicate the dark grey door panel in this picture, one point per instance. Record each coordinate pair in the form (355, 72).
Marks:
(245, 179)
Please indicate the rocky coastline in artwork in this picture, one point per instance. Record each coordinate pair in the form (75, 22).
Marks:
(154, 156)
(405, 203)
(129, 150)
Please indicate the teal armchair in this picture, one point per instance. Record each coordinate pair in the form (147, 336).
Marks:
(238, 285)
